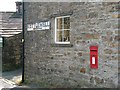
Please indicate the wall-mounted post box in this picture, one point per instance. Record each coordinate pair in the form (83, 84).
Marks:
(94, 57)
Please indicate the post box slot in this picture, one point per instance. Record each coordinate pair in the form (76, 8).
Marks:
(93, 50)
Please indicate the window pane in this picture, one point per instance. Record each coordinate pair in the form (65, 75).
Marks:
(59, 23)
(67, 23)
(59, 36)
(63, 29)
(66, 35)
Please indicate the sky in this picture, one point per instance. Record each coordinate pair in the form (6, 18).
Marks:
(8, 5)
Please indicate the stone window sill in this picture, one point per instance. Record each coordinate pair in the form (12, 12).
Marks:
(62, 45)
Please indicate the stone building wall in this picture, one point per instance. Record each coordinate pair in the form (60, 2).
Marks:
(11, 28)
(52, 65)
(12, 52)
(0, 47)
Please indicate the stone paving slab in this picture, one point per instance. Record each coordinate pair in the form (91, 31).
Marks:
(4, 83)
(14, 76)
(11, 79)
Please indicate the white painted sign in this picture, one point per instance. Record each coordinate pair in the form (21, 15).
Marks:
(93, 60)
(38, 26)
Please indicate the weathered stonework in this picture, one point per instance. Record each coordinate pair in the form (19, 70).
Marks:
(51, 65)
(12, 52)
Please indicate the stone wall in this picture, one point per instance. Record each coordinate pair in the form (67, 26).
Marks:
(12, 52)
(51, 65)
(0, 61)
(11, 28)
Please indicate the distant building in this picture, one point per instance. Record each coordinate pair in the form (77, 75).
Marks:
(10, 32)
(11, 22)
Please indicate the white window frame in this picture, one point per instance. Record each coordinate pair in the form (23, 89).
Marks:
(1, 42)
(56, 31)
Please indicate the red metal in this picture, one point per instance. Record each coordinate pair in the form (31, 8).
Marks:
(94, 57)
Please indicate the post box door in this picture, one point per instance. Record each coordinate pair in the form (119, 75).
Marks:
(93, 61)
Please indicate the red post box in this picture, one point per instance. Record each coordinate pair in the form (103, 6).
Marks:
(94, 57)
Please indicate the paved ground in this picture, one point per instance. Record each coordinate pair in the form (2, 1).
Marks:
(4, 83)
(10, 79)
(14, 76)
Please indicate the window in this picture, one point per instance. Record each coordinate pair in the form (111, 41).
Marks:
(62, 30)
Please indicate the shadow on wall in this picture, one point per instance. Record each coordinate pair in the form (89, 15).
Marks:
(12, 52)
